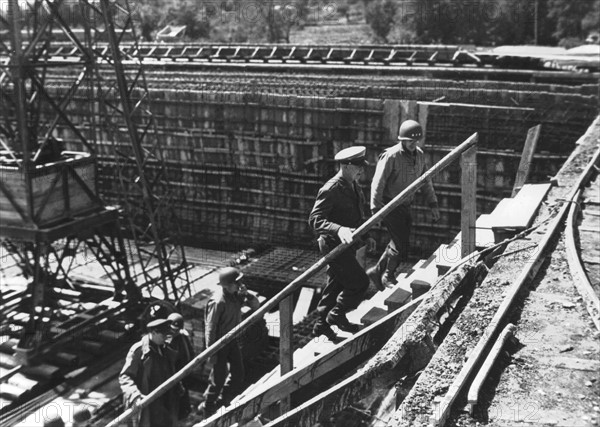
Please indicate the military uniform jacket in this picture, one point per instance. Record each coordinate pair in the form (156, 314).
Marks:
(396, 169)
(223, 313)
(146, 367)
(339, 204)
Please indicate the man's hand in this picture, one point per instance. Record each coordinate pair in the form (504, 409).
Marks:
(345, 234)
(371, 245)
(136, 402)
(435, 214)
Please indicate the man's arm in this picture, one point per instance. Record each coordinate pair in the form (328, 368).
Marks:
(380, 178)
(249, 298)
(213, 316)
(128, 375)
(319, 216)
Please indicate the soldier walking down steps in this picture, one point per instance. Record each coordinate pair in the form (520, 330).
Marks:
(339, 210)
(224, 313)
(179, 340)
(150, 363)
(397, 168)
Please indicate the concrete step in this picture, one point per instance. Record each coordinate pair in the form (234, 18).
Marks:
(22, 381)
(373, 315)
(11, 392)
(397, 299)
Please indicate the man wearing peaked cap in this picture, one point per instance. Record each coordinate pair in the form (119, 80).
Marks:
(352, 156)
(397, 168)
(150, 363)
(339, 209)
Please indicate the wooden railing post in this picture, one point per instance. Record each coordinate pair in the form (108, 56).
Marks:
(468, 162)
(286, 344)
(533, 134)
(297, 282)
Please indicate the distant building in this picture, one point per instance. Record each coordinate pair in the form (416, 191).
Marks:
(171, 33)
(593, 38)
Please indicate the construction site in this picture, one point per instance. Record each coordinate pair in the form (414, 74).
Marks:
(132, 173)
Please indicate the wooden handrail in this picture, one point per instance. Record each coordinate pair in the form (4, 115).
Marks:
(295, 284)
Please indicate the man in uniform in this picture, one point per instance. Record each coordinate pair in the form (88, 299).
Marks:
(338, 211)
(397, 168)
(149, 363)
(223, 313)
(181, 343)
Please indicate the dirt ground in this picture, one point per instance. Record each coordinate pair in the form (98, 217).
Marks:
(552, 375)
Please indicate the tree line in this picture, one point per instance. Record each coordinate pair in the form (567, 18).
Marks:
(480, 22)
(484, 22)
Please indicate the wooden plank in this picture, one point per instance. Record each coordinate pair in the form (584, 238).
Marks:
(391, 118)
(518, 213)
(533, 135)
(367, 339)
(581, 279)
(303, 304)
(373, 315)
(43, 370)
(286, 343)
(22, 381)
(468, 162)
(473, 395)
(423, 114)
(11, 391)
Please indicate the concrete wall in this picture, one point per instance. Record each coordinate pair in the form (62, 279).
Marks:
(246, 166)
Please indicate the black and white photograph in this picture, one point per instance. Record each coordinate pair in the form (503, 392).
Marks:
(299, 213)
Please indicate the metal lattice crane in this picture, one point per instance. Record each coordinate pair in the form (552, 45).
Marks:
(49, 197)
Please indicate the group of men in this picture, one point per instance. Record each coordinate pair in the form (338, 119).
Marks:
(339, 209)
(166, 349)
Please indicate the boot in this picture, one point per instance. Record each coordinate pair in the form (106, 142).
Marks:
(375, 278)
(206, 410)
(337, 317)
(389, 276)
(375, 273)
(322, 328)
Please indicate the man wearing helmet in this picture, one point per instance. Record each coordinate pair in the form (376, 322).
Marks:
(224, 313)
(179, 340)
(397, 168)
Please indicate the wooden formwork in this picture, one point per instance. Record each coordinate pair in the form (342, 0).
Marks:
(247, 164)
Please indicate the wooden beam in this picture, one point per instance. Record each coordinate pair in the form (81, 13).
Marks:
(581, 280)
(533, 135)
(286, 344)
(303, 304)
(391, 118)
(473, 395)
(368, 339)
(468, 161)
(423, 114)
(410, 343)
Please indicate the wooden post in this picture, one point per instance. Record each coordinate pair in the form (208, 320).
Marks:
(408, 111)
(468, 162)
(286, 344)
(533, 135)
(391, 118)
(423, 113)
